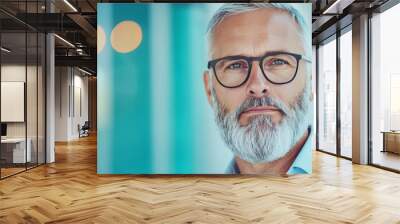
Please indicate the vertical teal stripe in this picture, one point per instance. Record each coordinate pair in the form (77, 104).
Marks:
(161, 86)
(105, 93)
(127, 136)
(182, 91)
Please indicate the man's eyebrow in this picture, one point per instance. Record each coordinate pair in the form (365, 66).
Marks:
(259, 55)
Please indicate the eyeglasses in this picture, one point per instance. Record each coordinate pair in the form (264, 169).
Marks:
(277, 67)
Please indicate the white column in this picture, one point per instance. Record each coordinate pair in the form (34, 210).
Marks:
(50, 92)
(360, 90)
(50, 99)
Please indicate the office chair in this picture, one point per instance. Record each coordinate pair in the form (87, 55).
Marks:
(84, 130)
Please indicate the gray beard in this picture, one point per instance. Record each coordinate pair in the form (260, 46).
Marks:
(262, 141)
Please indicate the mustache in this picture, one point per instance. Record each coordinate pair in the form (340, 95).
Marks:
(261, 101)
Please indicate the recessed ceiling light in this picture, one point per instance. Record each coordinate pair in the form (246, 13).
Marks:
(5, 50)
(338, 6)
(64, 40)
(84, 71)
(70, 5)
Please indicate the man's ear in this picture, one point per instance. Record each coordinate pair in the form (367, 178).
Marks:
(207, 87)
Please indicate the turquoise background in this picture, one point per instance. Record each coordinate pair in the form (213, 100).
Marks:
(153, 113)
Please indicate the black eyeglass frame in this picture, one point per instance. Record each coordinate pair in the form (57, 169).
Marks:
(250, 60)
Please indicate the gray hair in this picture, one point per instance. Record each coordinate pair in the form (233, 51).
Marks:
(236, 8)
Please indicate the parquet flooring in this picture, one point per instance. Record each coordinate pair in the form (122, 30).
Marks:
(10, 171)
(70, 191)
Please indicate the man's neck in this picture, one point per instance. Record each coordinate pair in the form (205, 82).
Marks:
(276, 167)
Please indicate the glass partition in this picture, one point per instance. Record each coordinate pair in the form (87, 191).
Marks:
(31, 100)
(327, 97)
(13, 105)
(22, 78)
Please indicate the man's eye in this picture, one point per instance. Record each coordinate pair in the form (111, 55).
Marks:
(278, 62)
(236, 65)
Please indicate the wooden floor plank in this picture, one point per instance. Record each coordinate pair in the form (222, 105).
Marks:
(70, 191)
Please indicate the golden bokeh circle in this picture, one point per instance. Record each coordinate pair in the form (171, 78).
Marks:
(126, 36)
(101, 39)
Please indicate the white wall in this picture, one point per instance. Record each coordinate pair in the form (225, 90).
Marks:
(16, 73)
(71, 92)
(33, 127)
(13, 101)
(9, 73)
(61, 103)
(79, 117)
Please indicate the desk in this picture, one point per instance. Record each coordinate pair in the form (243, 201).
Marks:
(391, 141)
(17, 151)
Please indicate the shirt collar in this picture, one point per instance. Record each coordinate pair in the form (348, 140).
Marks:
(303, 162)
(301, 165)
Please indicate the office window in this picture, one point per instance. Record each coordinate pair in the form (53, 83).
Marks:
(385, 88)
(327, 97)
(346, 94)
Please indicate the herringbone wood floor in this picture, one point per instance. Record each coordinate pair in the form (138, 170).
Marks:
(70, 191)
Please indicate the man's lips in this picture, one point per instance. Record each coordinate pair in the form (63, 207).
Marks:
(261, 110)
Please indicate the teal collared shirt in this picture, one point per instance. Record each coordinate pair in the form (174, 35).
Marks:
(301, 165)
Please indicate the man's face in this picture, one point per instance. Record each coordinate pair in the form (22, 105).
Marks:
(253, 34)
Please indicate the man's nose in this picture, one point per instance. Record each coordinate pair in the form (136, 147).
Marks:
(258, 85)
